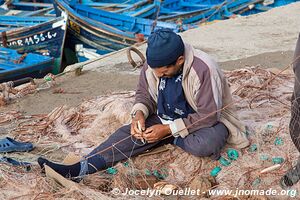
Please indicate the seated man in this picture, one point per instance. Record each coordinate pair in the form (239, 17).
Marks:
(179, 100)
(293, 175)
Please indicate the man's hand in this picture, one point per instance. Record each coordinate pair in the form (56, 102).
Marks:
(139, 117)
(156, 132)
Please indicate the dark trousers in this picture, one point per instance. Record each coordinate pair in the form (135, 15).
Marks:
(295, 108)
(203, 142)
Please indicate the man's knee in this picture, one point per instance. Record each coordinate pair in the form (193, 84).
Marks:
(203, 148)
(200, 147)
(205, 142)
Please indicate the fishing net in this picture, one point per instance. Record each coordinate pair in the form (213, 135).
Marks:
(295, 122)
(79, 129)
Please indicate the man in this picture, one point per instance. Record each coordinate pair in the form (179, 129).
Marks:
(293, 175)
(179, 98)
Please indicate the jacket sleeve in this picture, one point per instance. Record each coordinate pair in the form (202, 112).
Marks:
(206, 114)
(296, 68)
(143, 100)
(295, 108)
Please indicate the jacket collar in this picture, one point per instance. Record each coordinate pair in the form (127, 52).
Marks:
(188, 59)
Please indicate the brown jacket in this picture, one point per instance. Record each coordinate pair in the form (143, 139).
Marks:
(205, 89)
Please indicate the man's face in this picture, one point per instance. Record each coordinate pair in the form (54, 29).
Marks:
(171, 70)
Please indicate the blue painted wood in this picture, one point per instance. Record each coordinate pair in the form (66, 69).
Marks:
(18, 21)
(189, 11)
(122, 22)
(4, 29)
(29, 6)
(93, 34)
(266, 5)
(104, 5)
(119, 2)
(188, 5)
(221, 11)
(11, 12)
(39, 12)
(132, 6)
(103, 30)
(33, 65)
(45, 38)
(145, 11)
(142, 8)
(261, 7)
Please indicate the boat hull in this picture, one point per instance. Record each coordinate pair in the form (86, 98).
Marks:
(92, 34)
(45, 39)
(14, 66)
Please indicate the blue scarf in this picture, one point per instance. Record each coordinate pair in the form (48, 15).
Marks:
(171, 102)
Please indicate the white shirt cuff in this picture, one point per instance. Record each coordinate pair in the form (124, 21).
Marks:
(174, 129)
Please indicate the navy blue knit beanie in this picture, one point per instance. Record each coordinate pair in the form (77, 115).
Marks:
(164, 47)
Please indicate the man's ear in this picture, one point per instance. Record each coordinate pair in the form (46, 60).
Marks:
(180, 60)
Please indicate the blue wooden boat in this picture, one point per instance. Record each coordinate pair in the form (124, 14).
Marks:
(115, 25)
(14, 66)
(46, 38)
(195, 11)
(192, 11)
(206, 12)
(105, 31)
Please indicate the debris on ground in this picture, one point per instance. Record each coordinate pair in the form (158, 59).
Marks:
(80, 129)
